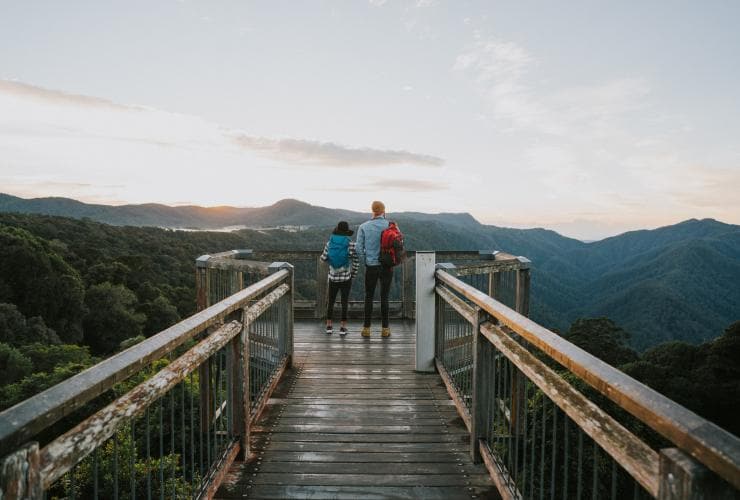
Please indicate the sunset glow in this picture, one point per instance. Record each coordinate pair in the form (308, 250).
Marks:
(590, 120)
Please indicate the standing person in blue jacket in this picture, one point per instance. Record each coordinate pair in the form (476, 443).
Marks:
(368, 246)
(340, 252)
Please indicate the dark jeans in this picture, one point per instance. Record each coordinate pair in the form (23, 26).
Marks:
(334, 288)
(372, 275)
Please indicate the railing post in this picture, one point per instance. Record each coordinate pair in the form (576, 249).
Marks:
(201, 282)
(481, 393)
(683, 478)
(425, 283)
(286, 340)
(407, 292)
(234, 363)
(439, 314)
(19, 474)
(322, 287)
(246, 412)
(522, 288)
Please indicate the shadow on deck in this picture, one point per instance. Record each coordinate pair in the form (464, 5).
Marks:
(352, 419)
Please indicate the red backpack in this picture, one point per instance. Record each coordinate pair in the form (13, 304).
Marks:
(391, 246)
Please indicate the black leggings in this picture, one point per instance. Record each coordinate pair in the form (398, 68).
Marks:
(334, 288)
(372, 275)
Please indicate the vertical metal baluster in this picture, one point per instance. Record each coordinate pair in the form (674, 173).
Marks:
(214, 438)
(636, 491)
(132, 460)
(225, 405)
(595, 491)
(580, 465)
(208, 420)
(161, 450)
(73, 482)
(172, 439)
(200, 431)
(517, 377)
(507, 398)
(95, 474)
(554, 458)
(115, 465)
(566, 464)
(490, 353)
(219, 409)
(534, 439)
(523, 480)
(148, 459)
(493, 404)
(471, 345)
(223, 438)
(614, 479)
(192, 436)
(183, 430)
(265, 356)
(219, 406)
(542, 449)
(465, 365)
(250, 366)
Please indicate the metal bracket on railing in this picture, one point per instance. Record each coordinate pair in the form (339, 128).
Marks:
(445, 266)
(488, 254)
(277, 266)
(485, 317)
(242, 253)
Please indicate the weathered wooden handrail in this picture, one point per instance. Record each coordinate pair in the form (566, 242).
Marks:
(227, 402)
(60, 455)
(711, 445)
(26, 419)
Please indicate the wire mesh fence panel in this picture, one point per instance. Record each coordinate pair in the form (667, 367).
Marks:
(540, 452)
(548, 418)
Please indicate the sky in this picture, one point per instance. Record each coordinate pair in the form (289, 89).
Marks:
(587, 117)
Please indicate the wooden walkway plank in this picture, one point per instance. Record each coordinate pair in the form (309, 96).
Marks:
(352, 419)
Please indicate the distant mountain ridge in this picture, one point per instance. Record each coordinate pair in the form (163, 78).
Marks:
(282, 213)
(679, 282)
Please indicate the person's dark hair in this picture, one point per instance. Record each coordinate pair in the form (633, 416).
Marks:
(343, 229)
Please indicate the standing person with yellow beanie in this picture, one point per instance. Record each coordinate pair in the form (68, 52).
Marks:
(368, 247)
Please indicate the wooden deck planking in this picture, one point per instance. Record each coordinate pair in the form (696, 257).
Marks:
(352, 419)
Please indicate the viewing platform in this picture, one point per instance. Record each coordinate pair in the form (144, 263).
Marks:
(353, 419)
(468, 398)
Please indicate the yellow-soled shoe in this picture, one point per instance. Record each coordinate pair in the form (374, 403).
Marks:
(385, 332)
(365, 331)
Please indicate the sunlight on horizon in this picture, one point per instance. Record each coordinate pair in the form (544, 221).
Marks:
(590, 129)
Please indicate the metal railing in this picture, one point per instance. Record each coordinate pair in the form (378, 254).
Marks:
(164, 418)
(219, 275)
(552, 421)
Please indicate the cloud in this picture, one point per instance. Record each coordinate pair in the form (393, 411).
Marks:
(399, 185)
(79, 117)
(502, 72)
(27, 91)
(330, 154)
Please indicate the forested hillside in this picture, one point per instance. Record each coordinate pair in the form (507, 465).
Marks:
(75, 291)
(679, 282)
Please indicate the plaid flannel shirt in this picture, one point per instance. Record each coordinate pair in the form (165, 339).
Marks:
(346, 273)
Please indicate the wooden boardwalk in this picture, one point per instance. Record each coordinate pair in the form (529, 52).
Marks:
(352, 419)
